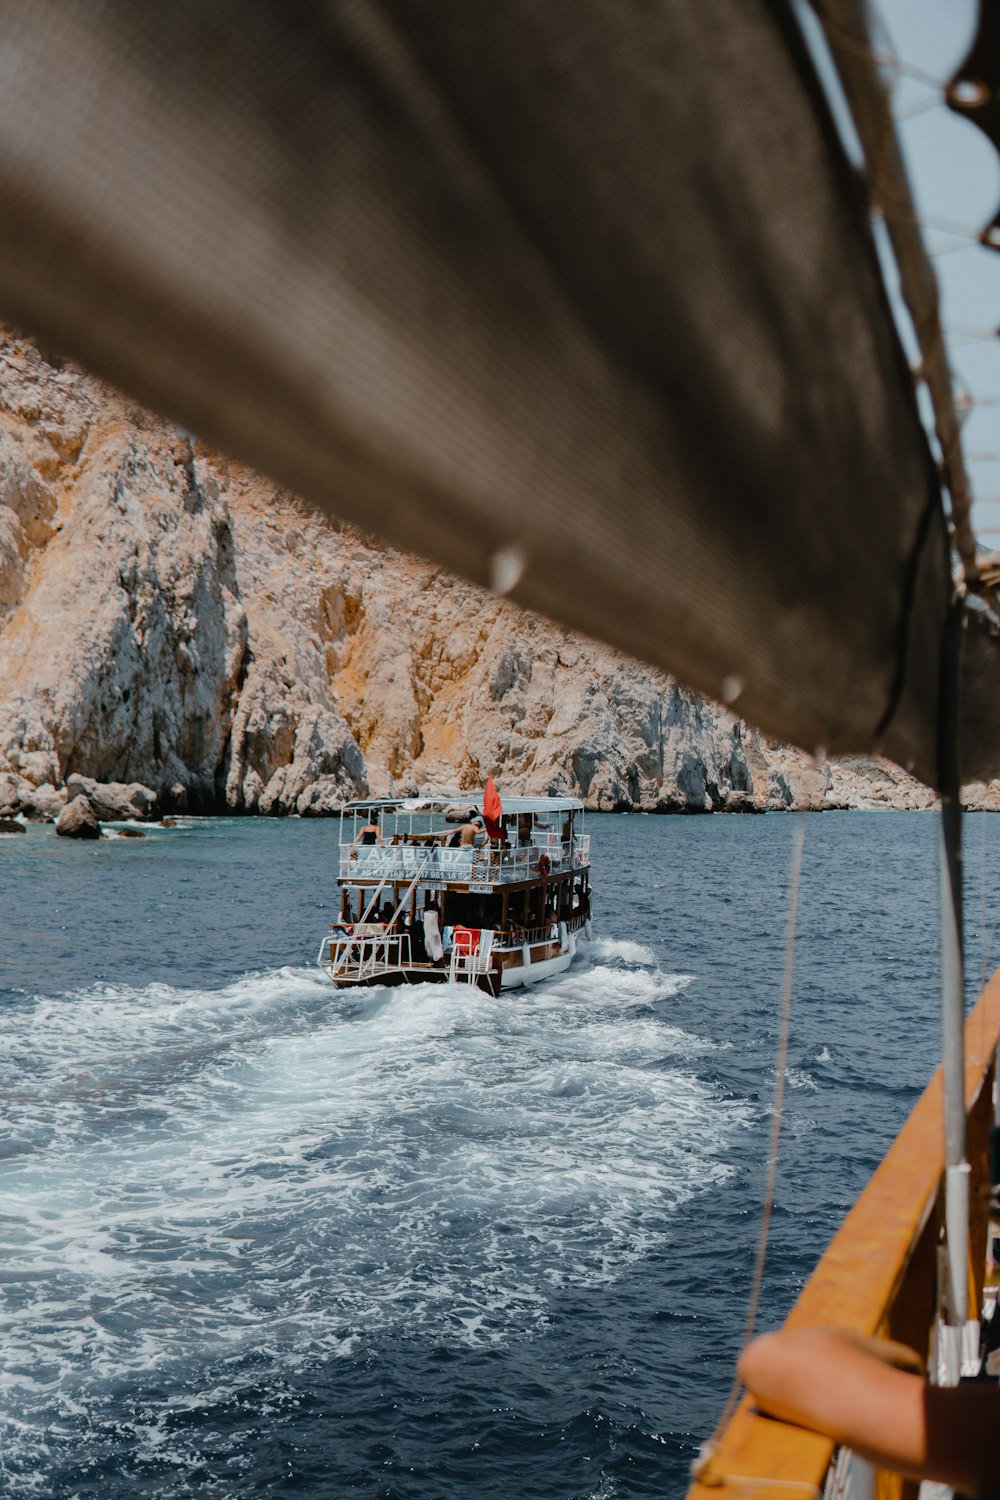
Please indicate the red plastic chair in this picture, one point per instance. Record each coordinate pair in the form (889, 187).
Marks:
(466, 940)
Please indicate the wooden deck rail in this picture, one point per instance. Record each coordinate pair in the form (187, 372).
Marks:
(877, 1276)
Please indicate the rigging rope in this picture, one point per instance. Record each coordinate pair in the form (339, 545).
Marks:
(701, 1469)
(912, 110)
(857, 62)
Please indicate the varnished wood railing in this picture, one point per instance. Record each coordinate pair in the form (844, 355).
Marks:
(877, 1277)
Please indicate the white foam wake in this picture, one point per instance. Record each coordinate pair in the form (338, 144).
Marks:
(622, 950)
(283, 1167)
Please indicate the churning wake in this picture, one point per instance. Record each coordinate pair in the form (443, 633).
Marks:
(279, 1168)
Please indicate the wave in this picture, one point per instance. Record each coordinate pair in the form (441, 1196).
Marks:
(621, 950)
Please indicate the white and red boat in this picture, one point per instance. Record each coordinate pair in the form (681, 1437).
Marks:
(500, 901)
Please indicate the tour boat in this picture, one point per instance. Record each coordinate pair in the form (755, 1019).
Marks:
(427, 894)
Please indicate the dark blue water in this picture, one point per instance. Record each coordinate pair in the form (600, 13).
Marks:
(259, 1237)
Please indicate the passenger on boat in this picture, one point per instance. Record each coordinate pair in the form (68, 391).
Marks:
(473, 832)
(871, 1395)
(370, 833)
(432, 928)
(418, 946)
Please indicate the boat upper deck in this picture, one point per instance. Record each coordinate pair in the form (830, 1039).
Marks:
(416, 838)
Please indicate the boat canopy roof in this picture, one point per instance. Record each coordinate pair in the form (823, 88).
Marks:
(437, 801)
(541, 804)
(554, 301)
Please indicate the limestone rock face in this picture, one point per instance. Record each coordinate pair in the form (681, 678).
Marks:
(78, 821)
(13, 789)
(176, 635)
(39, 804)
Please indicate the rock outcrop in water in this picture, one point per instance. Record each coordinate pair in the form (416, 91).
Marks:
(78, 820)
(175, 633)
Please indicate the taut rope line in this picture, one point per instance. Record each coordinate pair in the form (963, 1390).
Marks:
(701, 1467)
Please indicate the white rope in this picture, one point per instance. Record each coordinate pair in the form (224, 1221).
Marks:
(701, 1468)
(858, 63)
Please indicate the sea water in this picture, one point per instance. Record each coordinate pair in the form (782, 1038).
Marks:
(263, 1237)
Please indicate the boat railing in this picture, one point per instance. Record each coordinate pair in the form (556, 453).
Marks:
(485, 864)
(545, 838)
(525, 861)
(367, 953)
(877, 1278)
(471, 955)
(407, 861)
(504, 866)
(517, 937)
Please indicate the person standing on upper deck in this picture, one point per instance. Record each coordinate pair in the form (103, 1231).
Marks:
(370, 833)
(472, 832)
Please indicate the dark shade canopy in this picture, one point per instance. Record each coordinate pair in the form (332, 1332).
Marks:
(578, 297)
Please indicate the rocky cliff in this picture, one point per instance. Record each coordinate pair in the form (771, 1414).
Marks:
(169, 618)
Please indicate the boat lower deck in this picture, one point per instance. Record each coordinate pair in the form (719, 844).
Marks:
(356, 962)
(415, 974)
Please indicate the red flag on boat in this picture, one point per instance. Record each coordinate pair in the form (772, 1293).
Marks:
(492, 809)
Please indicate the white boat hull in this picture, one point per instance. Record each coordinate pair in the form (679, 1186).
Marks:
(518, 976)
